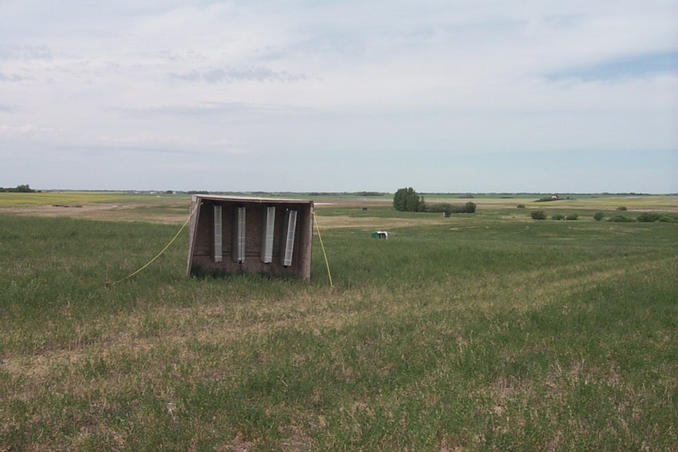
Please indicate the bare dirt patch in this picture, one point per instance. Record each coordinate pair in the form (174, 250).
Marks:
(101, 211)
(338, 222)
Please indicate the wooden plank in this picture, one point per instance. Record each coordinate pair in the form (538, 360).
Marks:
(201, 236)
(306, 242)
(192, 230)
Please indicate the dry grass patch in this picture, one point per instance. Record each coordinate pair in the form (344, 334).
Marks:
(339, 222)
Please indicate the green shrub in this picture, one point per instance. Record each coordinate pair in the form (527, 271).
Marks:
(469, 207)
(538, 215)
(572, 216)
(557, 217)
(621, 219)
(439, 207)
(649, 217)
(520, 206)
(622, 208)
(598, 216)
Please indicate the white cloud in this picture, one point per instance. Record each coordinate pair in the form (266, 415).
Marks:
(326, 78)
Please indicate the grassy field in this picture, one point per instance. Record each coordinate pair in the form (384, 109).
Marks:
(75, 198)
(484, 331)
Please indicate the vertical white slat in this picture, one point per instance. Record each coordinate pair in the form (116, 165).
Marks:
(217, 234)
(291, 225)
(267, 238)
(239, 239)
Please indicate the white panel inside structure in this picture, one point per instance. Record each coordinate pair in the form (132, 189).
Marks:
(290, 228)
(267, 239)
(239, 235)
(218, 253)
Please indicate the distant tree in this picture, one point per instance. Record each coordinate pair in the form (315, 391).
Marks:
(469, 207)
(369, 193)
(406, 199)
(648, 217)
(538, 215)
(24, 188)
(440, 207)
(399, 199)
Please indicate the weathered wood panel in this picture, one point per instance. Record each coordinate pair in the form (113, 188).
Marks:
(201, 246)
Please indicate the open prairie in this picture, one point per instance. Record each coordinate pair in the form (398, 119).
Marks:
(479, 331)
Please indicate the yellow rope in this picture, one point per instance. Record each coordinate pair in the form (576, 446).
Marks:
(315, 219)
(161, 251)
(327, 264)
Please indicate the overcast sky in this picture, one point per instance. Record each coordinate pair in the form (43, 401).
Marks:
(452, 96)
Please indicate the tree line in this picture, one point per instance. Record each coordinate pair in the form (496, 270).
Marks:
(25, 188)
(408, 200)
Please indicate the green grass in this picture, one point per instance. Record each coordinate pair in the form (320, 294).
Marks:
(482, 332)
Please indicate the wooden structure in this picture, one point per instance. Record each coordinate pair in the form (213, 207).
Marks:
(258, 235)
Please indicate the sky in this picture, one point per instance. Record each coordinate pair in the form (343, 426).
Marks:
(444, 96)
